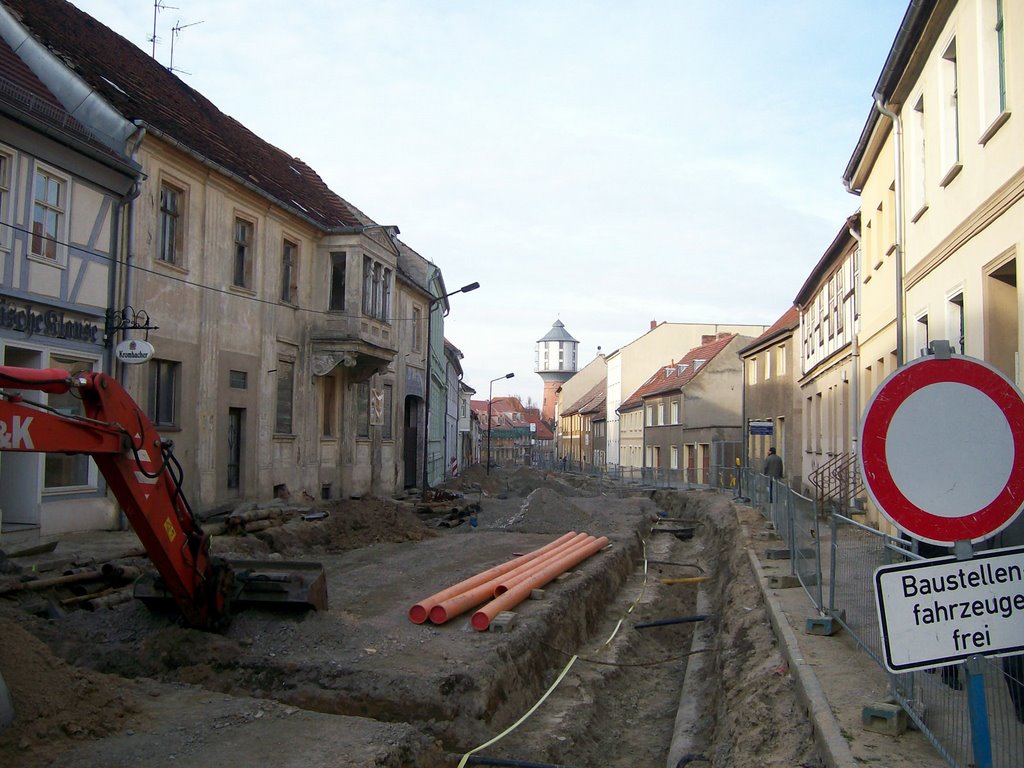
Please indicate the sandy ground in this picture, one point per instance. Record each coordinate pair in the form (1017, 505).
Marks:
(361, 684)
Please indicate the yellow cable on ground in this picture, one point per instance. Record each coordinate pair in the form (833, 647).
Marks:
(564, 672)
(685, 580)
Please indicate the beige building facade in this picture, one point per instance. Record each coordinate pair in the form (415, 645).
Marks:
(291, 331)
(772, 409)
(828, 380)
(939, 168)
(630, 365)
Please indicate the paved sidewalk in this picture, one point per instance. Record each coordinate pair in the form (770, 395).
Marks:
(834, 677)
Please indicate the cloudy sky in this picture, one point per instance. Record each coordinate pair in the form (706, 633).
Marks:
(605, 163)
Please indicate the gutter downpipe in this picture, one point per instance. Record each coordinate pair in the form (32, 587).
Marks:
(126, 203)
(898, 161)
(129, 201)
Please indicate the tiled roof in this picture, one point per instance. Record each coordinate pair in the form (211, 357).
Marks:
(674, 376)
(140, 88)
(27, 94)
(790, 319)
(591, 402)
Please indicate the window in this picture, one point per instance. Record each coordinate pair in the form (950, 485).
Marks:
(661, 413)
(5, 198)
(992, 45)
(378, 290)
(385, 306)
(674, 457)
(285, 388)
(171, 225)
(242, 276)
(164, 382)
(386, 428)
(238, 380)
(337, 300)
(767, 364)
(950, 113)
(48, 215)
(367, 286)
(289, 274)
(62, 470)
(956, 323)
(839, 309)
(328, 387)
(780, 359)
(921, 338)
(918, 153)
(675, 411)
(417, 318)
(650, 415)
(363, 409)
(752, 371)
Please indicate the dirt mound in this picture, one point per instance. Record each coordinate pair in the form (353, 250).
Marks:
(519, 482)
(543, 511)
(348, 524)
(54, 702)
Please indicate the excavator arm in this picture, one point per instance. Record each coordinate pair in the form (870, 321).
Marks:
(144, 477)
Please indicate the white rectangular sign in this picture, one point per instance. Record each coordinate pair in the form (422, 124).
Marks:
(937, 612)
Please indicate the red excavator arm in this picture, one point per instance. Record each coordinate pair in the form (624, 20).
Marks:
(144, 476)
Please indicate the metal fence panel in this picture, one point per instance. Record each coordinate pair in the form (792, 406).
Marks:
(805, 538)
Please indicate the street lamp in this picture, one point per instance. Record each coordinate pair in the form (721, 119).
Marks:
(426, 405)
(490, 396)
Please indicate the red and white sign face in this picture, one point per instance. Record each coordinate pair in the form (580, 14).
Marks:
(942, 449)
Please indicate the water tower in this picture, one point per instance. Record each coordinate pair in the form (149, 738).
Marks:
(555, 363)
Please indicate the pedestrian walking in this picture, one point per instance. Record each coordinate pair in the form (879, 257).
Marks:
(772, 468)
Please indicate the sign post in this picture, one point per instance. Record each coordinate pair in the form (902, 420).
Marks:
(942, 456)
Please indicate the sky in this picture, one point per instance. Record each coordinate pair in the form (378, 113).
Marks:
(602, 163)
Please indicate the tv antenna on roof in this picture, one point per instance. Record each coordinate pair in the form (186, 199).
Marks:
(158, 5)
(175, 31)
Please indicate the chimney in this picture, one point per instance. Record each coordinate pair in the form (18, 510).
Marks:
(706, 338)
(654, 324)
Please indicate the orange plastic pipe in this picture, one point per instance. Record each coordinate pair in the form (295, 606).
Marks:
(421, 610)
(482, 618)
(509, 580)
(470, 598)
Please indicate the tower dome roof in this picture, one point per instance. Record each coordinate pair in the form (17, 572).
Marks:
(558, 333)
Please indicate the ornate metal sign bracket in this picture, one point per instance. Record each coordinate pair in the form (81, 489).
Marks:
(128, 319)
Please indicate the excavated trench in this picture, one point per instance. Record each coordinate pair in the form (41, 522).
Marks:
(617, 704)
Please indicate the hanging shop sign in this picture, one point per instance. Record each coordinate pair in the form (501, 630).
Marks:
(133, 351)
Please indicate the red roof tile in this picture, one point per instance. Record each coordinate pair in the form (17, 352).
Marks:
(669, 378)
(589, 402)
(140, 88)
(790, 319)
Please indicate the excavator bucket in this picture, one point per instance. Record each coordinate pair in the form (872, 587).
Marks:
(261, 582)
(256, 582)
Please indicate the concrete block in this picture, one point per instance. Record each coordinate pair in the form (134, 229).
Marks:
(822, 625)
(783, 582)
(537, 594)
(889, 719)
(503, 622)
(777, 554)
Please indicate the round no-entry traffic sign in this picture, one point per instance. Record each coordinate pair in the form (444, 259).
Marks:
(942, 449)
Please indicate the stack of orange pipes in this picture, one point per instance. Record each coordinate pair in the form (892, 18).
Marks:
(510, 583)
